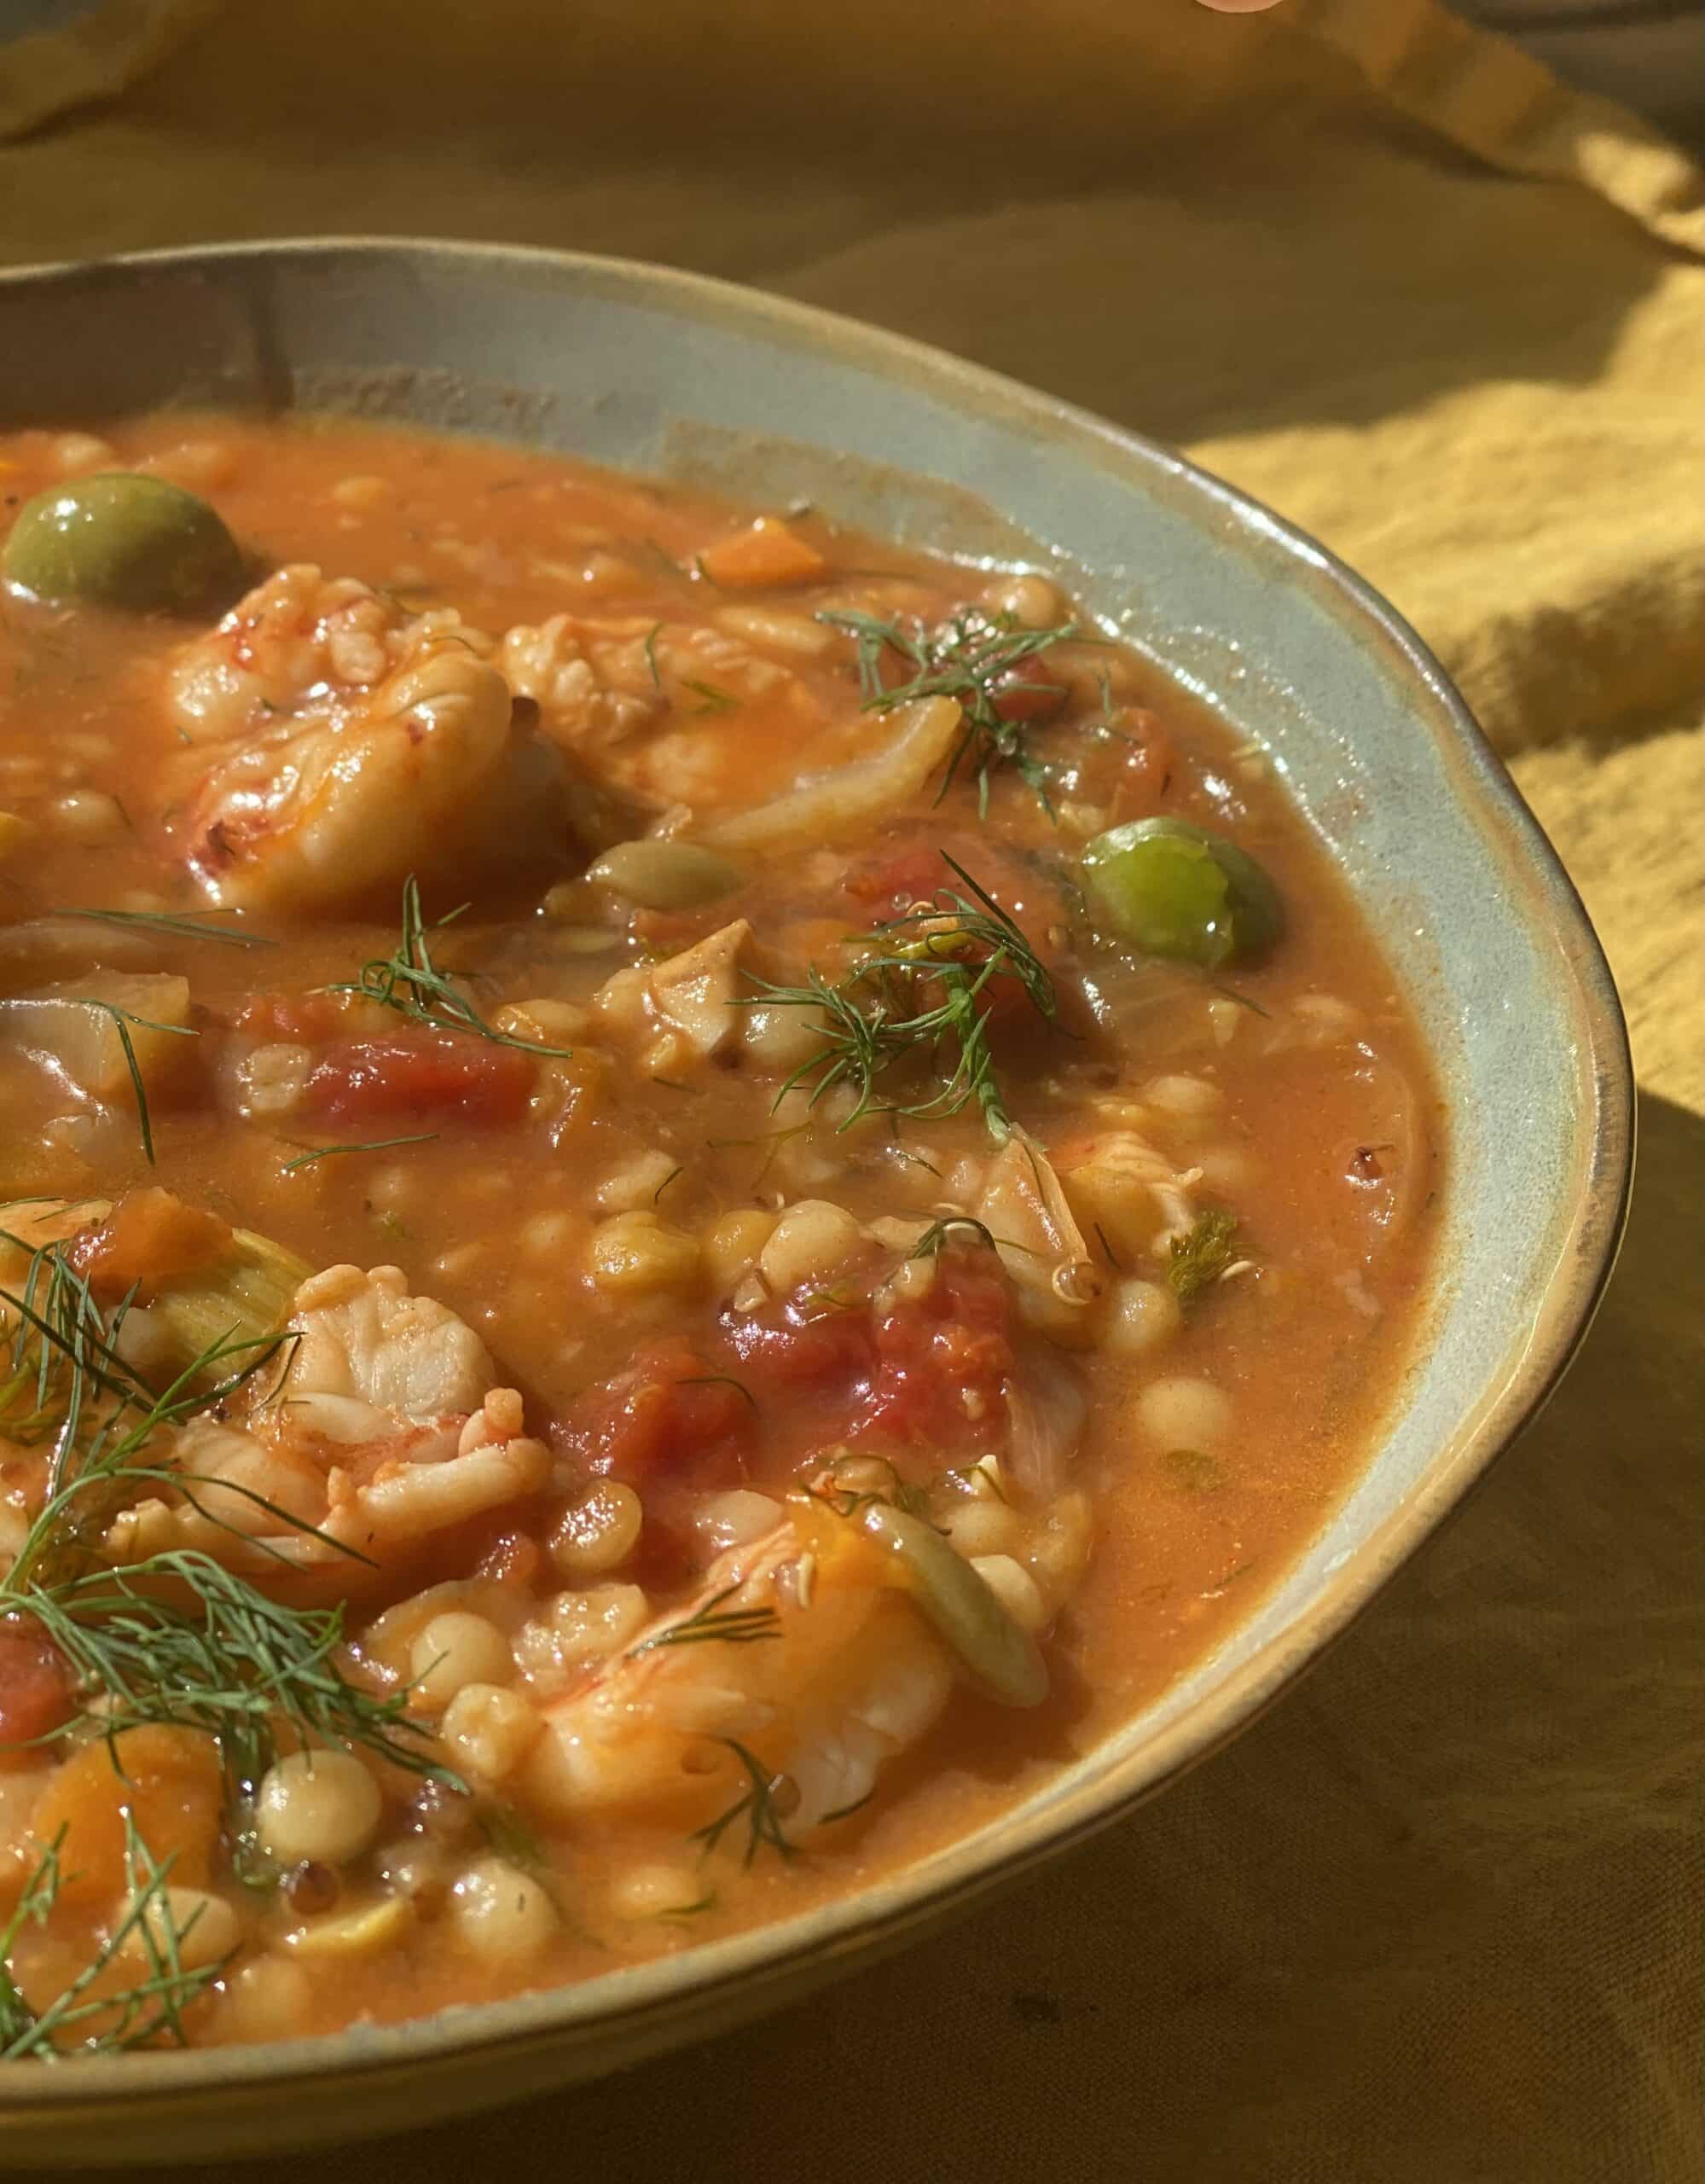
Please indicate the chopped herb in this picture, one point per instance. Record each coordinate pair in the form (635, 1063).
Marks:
(173, 1636)
(1193, 1472)
(919, 1000)
(823, 1303)
(649, 648)
(509, 1835)
(230, 1662)
(372, 1144)
(670, 1177)
(1113, 1258)
(711, 700)
(939, 1235)
(100, 2018)
(705, 1903)
(846, 1812)
(775, 1139)
(713, 1624)
(757, 1808)
(409, 981)
(187, 928)
(122, 1021)
(720, 1381)
(1243, 1000)
(971, 658)
(1200, 1257)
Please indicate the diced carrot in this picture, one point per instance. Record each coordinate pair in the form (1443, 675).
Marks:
(421, 1077)
(767, 553)
(171, 1783)
(150, 1237)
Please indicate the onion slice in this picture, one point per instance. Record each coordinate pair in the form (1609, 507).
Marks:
(825, 807)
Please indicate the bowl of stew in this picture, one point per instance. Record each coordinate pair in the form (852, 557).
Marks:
(769, 1116)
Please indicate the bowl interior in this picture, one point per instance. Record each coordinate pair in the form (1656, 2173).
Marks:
(661, 372)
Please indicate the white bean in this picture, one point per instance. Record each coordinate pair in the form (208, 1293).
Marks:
(490, 1731)
(1031, 601)
(501, 1913)
(268, 1999)
(1181, 1412)
(88, 816)
(984, 1526)
(812, 1242)
(199, 1928)
(652, 1891)
(323, 1805)
(600, 1531)
(456, 1650)
(1141, 1315)
(723, 1520)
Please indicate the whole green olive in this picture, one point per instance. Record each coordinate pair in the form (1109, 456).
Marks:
(118, 539)
(1173, 889)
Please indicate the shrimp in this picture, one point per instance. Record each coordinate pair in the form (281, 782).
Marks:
(383, 1430)
(1035, 1232)
(605, 689)
(299, 637)
(849, 1676)
(360, 745)
(817, 1652)
(1118, 1182)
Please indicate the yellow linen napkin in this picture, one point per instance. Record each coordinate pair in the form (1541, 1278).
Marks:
(1434, 1920)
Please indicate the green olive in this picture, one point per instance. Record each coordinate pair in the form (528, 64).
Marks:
(118, 539)
(665, 875)
(1172, 889)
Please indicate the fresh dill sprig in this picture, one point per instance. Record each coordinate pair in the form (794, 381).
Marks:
(919, 999)
(711, 698)
(900, 1493)
(846, 1812)
(230, 1661)
(371, 1145)
(105, 2019)
(1198, 1258)
(757, 1808)
(174, 1637)
(939, 1235)
(649, 648)
(969, 659)
(713, 1623)
(411, 982)
(187, 926)
(123, 1018)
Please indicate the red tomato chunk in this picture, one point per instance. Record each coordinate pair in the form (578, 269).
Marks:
(422, 1077)
(669, 1413)
(37, 1692)
(928, 1372)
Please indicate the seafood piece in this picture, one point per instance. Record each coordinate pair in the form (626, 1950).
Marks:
(1040, 1245)
(850, 1676)
(298, 639)
(1118, 1182)
(383, 1430)
(357, 746)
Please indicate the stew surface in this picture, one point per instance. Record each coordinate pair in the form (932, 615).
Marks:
(685, 1197)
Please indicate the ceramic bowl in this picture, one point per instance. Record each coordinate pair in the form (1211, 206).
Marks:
(636, 366)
